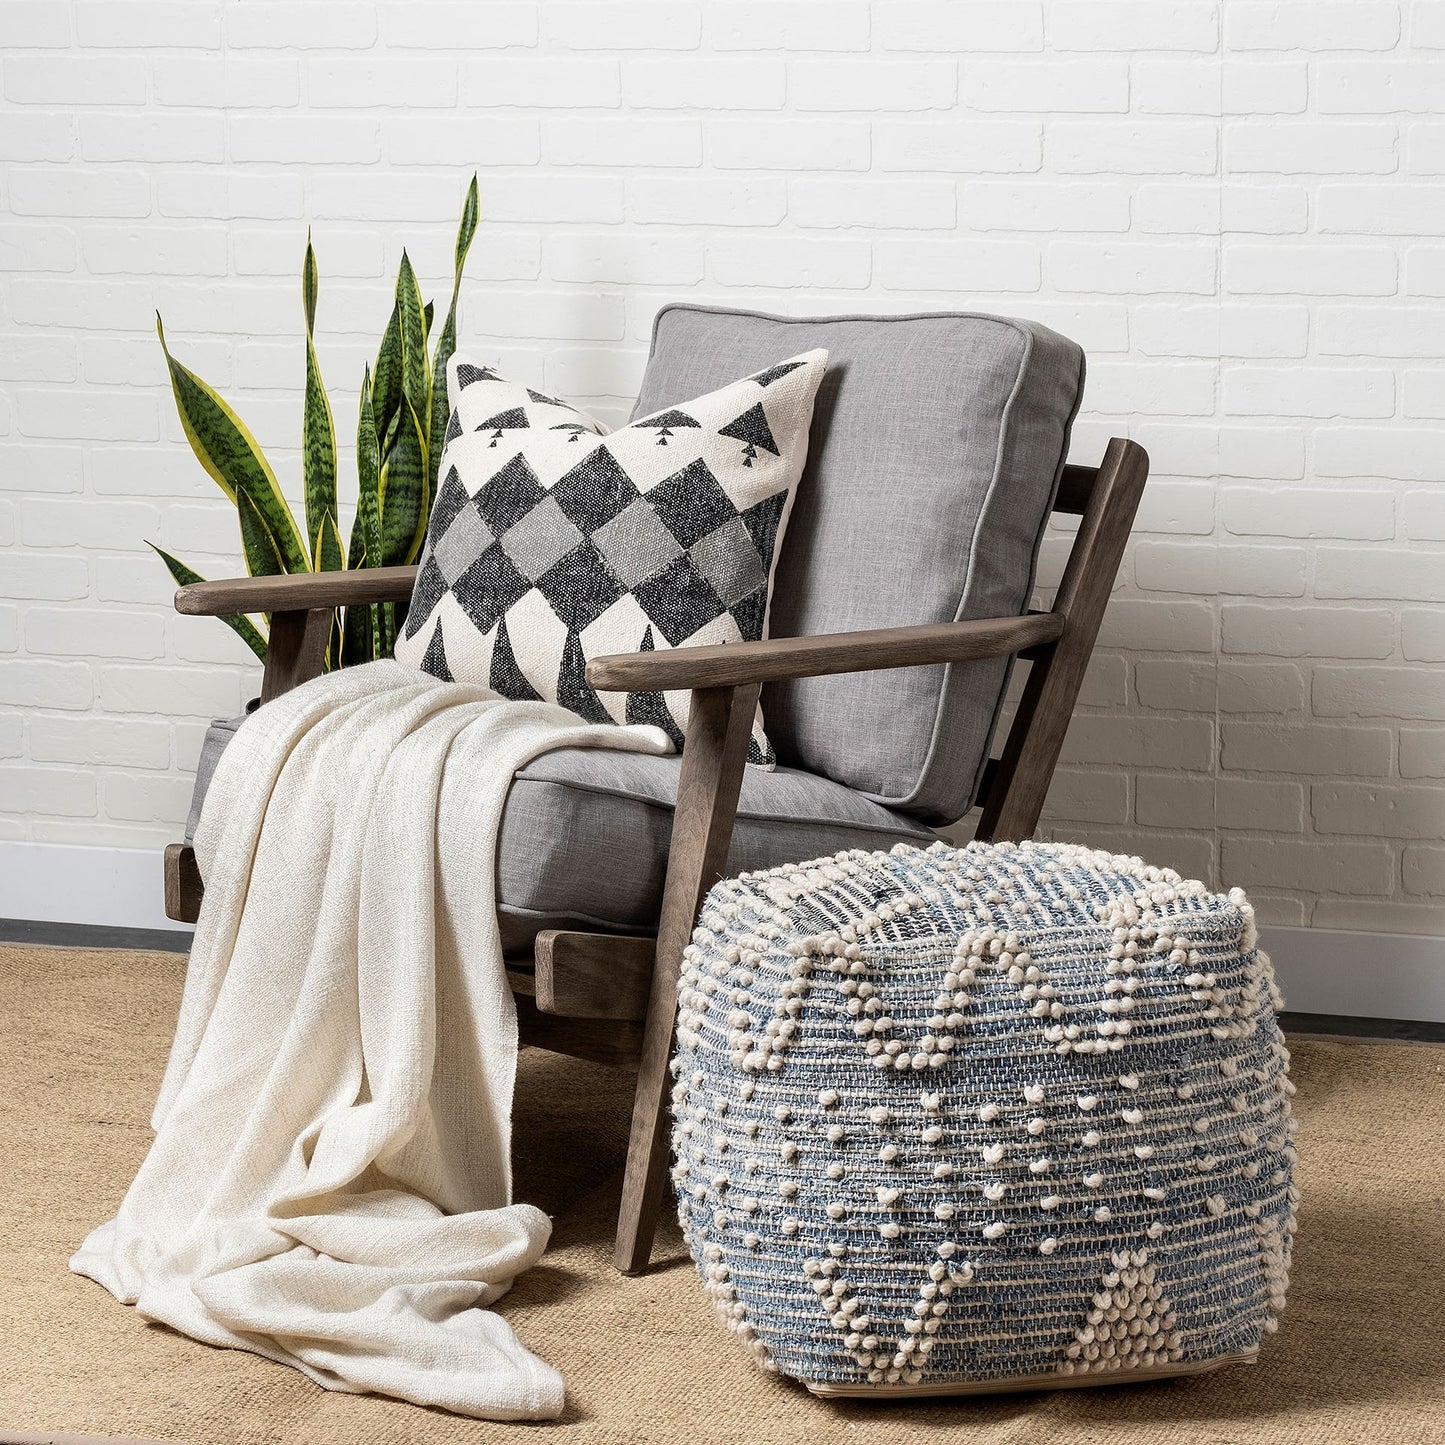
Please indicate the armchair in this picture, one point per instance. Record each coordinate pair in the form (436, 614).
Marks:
(593, 967)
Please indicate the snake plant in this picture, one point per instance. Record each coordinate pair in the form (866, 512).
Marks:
(400, 433)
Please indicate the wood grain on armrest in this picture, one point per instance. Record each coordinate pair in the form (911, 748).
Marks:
(778, 658)
(302, 592)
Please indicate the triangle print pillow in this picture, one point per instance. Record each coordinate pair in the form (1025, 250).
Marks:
(553, 540)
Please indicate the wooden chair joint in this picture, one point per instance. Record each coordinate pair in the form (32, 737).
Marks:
(183, 883)
(594, 975)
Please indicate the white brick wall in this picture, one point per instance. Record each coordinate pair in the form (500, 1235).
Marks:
(1234, 206)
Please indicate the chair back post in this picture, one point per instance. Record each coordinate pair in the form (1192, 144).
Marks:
(1020, 781)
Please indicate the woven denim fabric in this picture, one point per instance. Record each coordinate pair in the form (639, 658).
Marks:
(991, 1114)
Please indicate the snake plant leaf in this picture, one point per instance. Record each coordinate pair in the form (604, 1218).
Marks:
(393, 427)
(437, 422)
(356, 634)
(318, 427)
(429, 315)
(258, 543)
(229, 453)
(238, 622)
(415, 374)
(309, 285)
(386, 389)
(405, 493)
(384, 621)
(328, 556)
(358, 642)
(369, 479)
(447, 341)
(318, 449)
(467, 229)
(356, 552)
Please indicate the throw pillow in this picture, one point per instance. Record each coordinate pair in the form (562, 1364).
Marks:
(552, 540)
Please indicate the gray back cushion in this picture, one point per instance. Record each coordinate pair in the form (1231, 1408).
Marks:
(936, 447)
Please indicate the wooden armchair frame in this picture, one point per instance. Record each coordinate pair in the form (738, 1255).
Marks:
(612, 998)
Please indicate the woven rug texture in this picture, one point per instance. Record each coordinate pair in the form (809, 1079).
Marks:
(1360, 1354)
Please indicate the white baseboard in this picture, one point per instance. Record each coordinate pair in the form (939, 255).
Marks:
(61, 883)
(1360, 975)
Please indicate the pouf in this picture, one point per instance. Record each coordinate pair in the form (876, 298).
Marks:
(1003, 1116)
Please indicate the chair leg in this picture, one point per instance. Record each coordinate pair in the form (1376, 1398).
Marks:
(713, 759)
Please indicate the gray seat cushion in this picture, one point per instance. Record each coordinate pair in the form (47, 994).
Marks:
(936, 446)
(585, 833)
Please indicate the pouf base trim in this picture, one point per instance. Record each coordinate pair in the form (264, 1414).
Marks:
(1020, 1383)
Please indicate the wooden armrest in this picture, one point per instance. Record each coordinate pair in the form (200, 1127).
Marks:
(303, 592)
(732, 664)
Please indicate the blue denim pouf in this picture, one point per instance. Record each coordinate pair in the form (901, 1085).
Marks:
(983, 1118)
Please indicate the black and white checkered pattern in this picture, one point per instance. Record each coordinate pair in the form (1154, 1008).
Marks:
(552, 540)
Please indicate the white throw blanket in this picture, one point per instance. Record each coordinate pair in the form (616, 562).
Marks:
(330, 1182)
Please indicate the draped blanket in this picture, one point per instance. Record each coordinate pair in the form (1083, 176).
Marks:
(330, 1181)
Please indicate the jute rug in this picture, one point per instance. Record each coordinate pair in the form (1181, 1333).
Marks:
(1360, 1355)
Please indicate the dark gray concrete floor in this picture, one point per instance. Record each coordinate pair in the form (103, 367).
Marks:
(88, 935)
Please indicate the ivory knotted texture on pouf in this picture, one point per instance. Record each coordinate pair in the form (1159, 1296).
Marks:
(983, 1118)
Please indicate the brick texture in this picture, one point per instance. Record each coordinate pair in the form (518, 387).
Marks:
(1235, 207)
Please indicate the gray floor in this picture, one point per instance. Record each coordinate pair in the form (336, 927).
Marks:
(87, 935)
(84, 935)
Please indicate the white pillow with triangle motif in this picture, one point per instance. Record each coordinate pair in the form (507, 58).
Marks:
(553, 540)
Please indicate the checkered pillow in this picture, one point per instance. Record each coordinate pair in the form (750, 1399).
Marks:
(552, 540)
